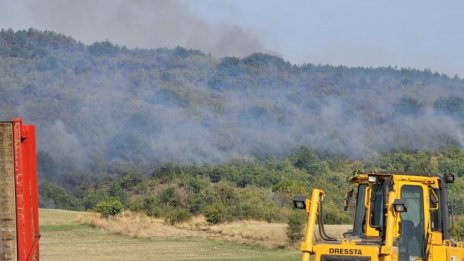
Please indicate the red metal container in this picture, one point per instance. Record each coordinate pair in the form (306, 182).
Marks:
(19, 220)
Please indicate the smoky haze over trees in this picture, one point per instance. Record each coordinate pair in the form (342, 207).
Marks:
(141, 23)
(101, 103)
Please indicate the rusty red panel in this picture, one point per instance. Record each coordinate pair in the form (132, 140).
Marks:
(27, 216)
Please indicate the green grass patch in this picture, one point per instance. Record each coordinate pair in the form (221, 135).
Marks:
(61, 227)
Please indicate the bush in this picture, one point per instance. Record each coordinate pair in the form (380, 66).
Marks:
(176, 216)
(53, 196)
(215, 214)
(116, 191)
(149, 205)
(295, 226)
(196, 202)
(92, 198)
(335, 217)
(131, 179)
(458, 230)
(108, 207)
(169, 197)
(254, 203)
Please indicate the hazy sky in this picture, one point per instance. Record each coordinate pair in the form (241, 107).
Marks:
(413, 34)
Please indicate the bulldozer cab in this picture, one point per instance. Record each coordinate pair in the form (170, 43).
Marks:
(397, 216)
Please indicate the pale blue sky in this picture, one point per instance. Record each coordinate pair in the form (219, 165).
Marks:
(417, 34)
(411, 34)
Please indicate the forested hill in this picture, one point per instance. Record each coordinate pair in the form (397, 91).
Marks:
(103, 103)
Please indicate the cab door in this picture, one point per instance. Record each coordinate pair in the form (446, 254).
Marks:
(411, 239)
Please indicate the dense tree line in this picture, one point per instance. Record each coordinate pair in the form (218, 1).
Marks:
(100, 103)
(253, 189)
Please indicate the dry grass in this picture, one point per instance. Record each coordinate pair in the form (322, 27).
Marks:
(135, 225)
(64, 238)
(246, 231)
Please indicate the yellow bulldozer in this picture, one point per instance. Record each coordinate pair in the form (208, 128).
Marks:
(397, 216)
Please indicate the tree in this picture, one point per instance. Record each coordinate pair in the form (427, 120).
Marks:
(295, 226)
(303, 157)
(108, 207)
(453, 106)
(169, 197)
(46, 165)
(409, 106)
(54, 196)
(104, 48)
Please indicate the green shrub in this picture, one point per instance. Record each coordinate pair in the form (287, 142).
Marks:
(196, 184)
(215, 214)
(169, 197)
(196, 202)
(54, 196)
(333, 215)
(295, 225)
(108, 207)
(290, 187)
(116, 191)
(92, 198)
(131, 179)
(141, 188)
(149, 205)
(174, 216)
(254, 203)
(458, 230)
(318, 168)
(226, 194)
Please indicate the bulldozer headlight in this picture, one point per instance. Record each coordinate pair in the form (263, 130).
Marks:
(399, 205)
(299, 202)
(372, 179)
(449, 178)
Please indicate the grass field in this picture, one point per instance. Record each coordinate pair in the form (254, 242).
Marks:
(64, 238)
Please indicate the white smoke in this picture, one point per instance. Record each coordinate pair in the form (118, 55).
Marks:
(135, 24)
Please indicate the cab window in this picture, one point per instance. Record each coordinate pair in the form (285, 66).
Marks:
(377, 206)
(360, 213)
(435, 213)
(411, 242)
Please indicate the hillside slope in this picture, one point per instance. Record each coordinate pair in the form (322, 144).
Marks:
(104, 103)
